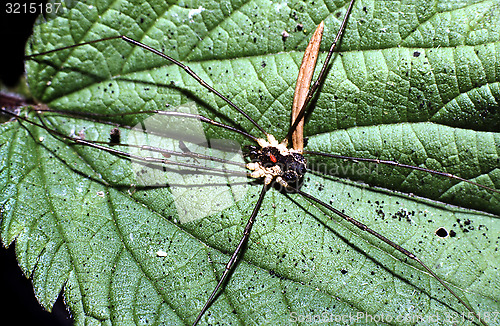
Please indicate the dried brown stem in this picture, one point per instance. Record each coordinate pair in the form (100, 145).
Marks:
(303, 83)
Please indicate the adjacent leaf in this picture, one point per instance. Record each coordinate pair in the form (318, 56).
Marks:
(414, 82)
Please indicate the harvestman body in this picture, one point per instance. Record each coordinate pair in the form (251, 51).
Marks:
(273, 162)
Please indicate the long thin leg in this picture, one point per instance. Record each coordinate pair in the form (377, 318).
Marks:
(149, 148)
(204, 119)
(236, 254)
(136, 158)
(322, 73)
(393, 163)
(402, 250)
(172, 60)
(168, 152)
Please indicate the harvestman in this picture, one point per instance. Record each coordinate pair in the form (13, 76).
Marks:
(272, 161)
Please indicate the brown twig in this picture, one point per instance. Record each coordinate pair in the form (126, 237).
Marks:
(303, 83)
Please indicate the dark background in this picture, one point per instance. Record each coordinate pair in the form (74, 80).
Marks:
(14, 31)
(17, 299)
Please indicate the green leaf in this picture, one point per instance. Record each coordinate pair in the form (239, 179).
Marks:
(414, 82)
